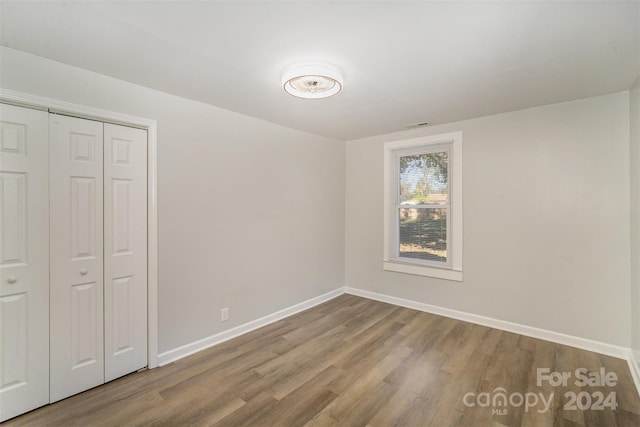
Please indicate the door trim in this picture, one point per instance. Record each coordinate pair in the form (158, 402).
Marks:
(85, 112)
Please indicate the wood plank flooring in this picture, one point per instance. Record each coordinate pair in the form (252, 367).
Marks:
(356, 362)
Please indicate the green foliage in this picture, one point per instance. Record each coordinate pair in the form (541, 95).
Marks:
(437, 161)
(422, 175)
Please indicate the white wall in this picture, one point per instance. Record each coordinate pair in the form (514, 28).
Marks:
(251, 214)
(546, 219)
(634, 114)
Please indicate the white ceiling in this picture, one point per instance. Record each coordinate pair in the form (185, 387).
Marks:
(403, 62)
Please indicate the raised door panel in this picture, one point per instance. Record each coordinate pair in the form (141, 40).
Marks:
(13, 198)
(24, 261)
(125, 195)
(77, 337)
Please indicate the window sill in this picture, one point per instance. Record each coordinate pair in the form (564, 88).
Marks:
(421, 270)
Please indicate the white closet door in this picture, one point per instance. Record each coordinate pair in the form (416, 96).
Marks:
(76, 185)
(125, 250)
(24, 261)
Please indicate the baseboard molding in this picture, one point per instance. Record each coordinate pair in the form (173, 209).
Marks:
(543, 334)
(196, 346)
(634, 367)
(632, 357)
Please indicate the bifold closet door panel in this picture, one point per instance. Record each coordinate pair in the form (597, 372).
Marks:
(125, 250)
(76, 284)
(24, 260)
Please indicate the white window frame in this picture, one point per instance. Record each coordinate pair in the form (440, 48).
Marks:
(452, 269)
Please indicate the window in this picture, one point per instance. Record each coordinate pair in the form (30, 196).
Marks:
(423, 206)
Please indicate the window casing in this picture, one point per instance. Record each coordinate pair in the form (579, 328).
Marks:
(423, 206)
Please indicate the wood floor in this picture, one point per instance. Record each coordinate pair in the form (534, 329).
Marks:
(357, 362)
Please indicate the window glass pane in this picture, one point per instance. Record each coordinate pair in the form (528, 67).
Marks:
(424, 179)
(423, 233)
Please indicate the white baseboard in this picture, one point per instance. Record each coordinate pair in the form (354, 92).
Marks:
(632, 357)
(530, 331)
(210, 341)
(634, 367)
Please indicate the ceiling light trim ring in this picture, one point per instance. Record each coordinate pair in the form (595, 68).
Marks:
(312, 81)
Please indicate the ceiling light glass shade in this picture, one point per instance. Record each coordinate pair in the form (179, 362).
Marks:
(312, 81)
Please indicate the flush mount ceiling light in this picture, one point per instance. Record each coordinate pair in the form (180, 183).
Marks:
(312, 81)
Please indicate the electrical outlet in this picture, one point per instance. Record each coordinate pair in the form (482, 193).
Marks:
(224, 314)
